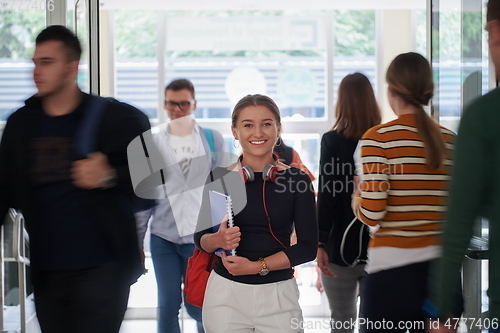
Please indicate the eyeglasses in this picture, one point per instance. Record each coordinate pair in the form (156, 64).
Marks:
(170, 105)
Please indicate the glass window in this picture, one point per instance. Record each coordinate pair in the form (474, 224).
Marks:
(136, 40)
(354, 50)
(18, 30)
(421, 30)
(461, 65)
(460, 58)
(77, 12)
(229, 54)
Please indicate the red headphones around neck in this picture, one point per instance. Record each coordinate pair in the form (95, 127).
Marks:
(268, 173)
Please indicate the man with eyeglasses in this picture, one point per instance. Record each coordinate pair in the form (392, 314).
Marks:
(191, 151)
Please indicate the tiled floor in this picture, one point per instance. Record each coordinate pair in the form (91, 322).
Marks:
(143, 300)
(138, 326)
(149, 326)
(312, 325)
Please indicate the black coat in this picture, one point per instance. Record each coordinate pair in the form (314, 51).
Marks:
(120, 124)
(335, 187)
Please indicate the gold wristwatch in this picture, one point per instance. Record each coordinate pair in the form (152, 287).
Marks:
(264, 271)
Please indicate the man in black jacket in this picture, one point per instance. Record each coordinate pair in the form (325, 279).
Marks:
(78, 212)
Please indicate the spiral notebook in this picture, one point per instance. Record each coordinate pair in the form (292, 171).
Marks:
(221, 205)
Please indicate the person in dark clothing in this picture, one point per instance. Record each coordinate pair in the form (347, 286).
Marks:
(289, 156)
(78, 212)
(254, 290)
(343, 240)
(474, 193)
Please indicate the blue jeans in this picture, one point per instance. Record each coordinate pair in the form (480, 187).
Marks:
(170, 261)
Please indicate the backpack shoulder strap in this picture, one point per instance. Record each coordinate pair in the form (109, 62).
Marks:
(209, 135)
(86, 133)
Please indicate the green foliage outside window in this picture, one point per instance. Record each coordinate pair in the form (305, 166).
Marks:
(136, 33)
(460, 34)
(18, 31)
(354, 32)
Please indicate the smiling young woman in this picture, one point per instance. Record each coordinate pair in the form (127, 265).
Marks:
(255, 290)
(257, 129)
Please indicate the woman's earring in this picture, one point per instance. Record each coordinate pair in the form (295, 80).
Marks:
(278, 142)
(234, 144)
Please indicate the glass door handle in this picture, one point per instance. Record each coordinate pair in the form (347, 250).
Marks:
(20, 237)
(20, 240)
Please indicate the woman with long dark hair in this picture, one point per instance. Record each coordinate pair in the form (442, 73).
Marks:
(343, 240)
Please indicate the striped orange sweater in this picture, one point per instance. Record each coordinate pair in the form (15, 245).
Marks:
(398, 192)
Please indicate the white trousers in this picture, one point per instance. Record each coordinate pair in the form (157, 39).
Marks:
(232, 307)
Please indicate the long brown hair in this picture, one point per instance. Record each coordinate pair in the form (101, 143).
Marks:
(357, 109)
(410, 77)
